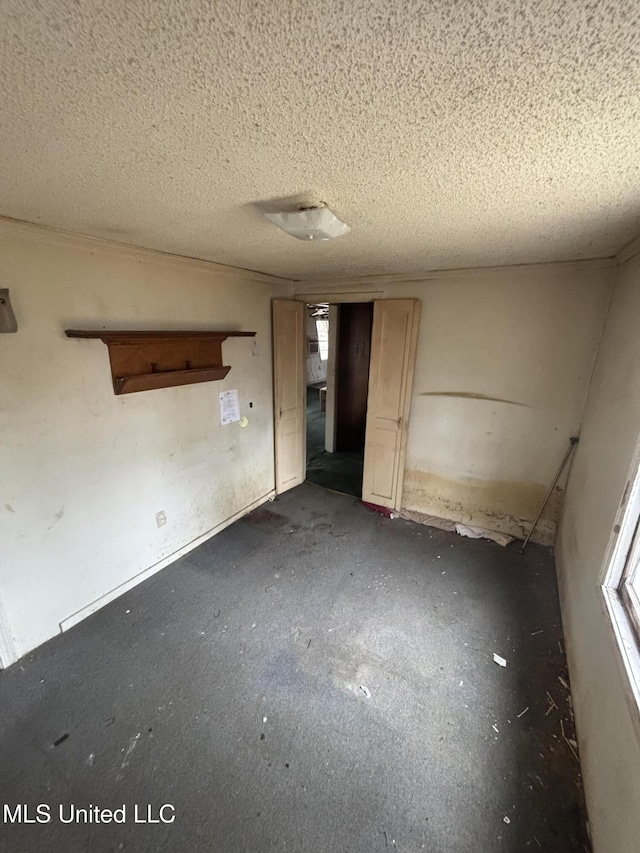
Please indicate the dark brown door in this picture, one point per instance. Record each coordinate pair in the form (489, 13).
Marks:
(352, 374)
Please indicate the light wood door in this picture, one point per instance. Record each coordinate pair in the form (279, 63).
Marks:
(393, 349)
(289, 393)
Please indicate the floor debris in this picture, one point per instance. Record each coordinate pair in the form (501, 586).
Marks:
(522, 713)
(571, 743)
(500, 661)
(366, 691)
(482, 533)
(132, 745)
(552, 705)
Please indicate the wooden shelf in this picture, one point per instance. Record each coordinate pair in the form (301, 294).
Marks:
(146, 360)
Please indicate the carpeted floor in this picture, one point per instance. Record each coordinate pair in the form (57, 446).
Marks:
(315, 678)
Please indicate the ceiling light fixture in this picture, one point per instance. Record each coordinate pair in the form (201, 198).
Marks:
(310, 223)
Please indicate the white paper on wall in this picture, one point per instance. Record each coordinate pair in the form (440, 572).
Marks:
(229, 407)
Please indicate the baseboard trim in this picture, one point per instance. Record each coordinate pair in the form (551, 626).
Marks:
(119, 590)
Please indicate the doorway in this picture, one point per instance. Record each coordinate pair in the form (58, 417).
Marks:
(393, 341)
(338, 353)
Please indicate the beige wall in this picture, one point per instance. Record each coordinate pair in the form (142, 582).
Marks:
(83, 471)
(503, 365)
(609, 741)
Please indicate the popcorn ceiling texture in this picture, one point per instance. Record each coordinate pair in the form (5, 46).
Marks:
(447, 134)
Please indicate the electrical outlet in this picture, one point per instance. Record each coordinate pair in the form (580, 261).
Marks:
(161, 518)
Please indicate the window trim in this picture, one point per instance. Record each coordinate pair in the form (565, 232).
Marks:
(619, 567)
(628, 589)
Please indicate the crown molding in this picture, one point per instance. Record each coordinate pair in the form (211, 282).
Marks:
(629, 250)
(335, 284)
(108, 247)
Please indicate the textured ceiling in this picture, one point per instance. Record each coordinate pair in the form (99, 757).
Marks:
(446, 134)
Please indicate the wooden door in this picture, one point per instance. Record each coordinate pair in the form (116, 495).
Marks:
(393, 348)
(289, 393)
(354, 344)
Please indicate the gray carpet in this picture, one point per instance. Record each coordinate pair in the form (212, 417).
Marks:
(315, 678)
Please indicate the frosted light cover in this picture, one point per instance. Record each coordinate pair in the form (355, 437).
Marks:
(317, 223)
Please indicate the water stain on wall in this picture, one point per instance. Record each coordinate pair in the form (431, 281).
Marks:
(501, 505)
(471, 395)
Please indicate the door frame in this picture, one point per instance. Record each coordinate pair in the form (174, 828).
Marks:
(336, 297)
(283, 417)
(333, 297)
(332, 384)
